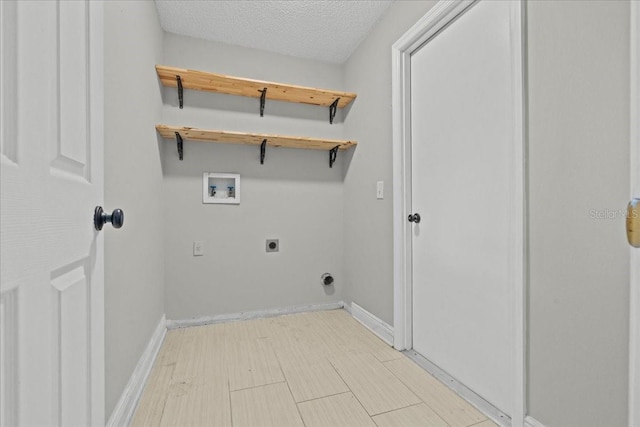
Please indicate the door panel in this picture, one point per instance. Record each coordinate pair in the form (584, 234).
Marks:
(51, 292)
(8, 159)
(461, 96)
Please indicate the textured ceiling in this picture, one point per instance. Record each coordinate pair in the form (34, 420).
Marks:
(326, 30)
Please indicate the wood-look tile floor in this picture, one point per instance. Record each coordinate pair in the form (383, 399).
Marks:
(318, 369)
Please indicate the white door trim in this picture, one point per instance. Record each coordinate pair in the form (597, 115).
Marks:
(96, 66)
(429, 25)
(634, 315)
(401, 51)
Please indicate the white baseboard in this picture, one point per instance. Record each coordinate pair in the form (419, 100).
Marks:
(532, 422)
(125, 408)
(246, 315)
(373, 323)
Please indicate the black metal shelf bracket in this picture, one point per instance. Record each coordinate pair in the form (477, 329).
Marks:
(263, 149)
(332, 155)
(263, 97)
(179, 80)
(332, 110)
(179, 144)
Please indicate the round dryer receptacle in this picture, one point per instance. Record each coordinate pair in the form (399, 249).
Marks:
(327, 279)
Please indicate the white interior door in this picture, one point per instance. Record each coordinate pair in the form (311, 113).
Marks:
(51, 289)
(462, 130)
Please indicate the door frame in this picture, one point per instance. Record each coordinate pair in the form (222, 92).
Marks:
(96, 69)
(634, 146)
(444, 12)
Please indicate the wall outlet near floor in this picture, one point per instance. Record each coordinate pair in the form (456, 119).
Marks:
(380, 190)
(198, 248)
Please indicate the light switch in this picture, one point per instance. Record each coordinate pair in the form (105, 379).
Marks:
(198, 248)
(380, 190)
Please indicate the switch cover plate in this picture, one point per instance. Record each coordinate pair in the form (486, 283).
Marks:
(380, 190)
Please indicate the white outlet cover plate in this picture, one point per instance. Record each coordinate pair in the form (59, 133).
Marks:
(380, 190)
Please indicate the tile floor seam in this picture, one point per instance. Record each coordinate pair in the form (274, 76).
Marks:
(418, 404)
(288, 387)
(230, 404)
(324, 397)
(295, 404)
(350, 390)
(421, 399)
(408, 388)
(398, 409)
(256, 386)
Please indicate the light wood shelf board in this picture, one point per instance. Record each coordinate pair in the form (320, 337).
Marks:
(220, 83)
(206, 135)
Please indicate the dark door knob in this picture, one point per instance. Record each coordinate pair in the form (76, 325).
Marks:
(100, 218)
(414, 218)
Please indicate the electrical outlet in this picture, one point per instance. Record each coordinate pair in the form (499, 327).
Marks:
(380, 190)
(198, 248)
(273, 245)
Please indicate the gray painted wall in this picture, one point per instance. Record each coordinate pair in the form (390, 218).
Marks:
(134, 275)
(368, 222)
(294, 196)
(579, 273)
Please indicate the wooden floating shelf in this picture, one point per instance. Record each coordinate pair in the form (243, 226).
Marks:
(205, 135)
(220, 83)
